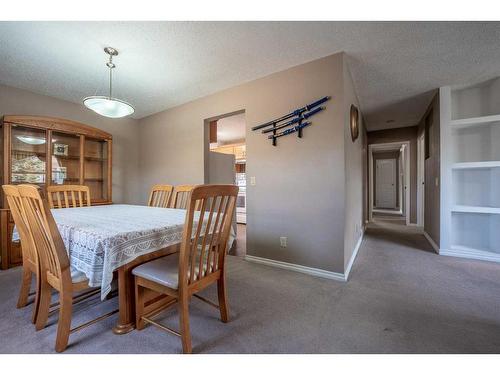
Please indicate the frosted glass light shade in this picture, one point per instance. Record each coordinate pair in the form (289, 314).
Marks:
(108, 107)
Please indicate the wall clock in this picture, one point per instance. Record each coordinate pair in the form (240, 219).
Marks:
(354, 122)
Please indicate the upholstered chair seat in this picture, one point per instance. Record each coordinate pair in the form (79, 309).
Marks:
(164, 271)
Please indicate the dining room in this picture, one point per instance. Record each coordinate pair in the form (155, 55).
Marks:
(105, 199)
(203, 187)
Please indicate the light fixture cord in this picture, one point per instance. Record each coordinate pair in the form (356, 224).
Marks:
(110, 82)
(110, 66)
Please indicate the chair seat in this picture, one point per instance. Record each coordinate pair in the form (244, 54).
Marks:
(77, 276)
(164, 271)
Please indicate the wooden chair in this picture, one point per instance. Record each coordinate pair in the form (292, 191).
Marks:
(180, 196)
(199, 264)
(160, 195)
(55, 270)
(30, 256)
(66, 196)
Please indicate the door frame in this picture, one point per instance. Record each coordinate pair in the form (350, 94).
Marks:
(391, 146)
(421, 180)
(394, 167)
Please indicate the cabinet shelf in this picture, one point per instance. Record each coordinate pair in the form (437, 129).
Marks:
(478, 164)
(67, 157)
(474, 121)
(37, 153)
(91, 158)
(26, 172)
(26, 182)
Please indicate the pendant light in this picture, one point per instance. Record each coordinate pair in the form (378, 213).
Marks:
(107, 105)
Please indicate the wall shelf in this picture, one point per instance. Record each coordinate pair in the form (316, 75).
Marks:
(475, 121)
(478, 164)
(476, 209)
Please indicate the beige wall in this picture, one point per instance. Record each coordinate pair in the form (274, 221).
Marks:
(401, 135)
(300, 184)
(355, 158)
(432, 172)
(125, 133)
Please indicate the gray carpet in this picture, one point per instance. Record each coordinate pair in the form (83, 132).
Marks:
(401, 298)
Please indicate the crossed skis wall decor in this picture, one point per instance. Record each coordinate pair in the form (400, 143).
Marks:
(298, 122)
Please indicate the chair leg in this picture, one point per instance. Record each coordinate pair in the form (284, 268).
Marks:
(44, 305)
(25, 288)
(222, 293)
(184, 324)
(139, 305)
(64, 323)
(36, 305)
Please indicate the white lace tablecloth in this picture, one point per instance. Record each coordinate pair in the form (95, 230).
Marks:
(100, 239)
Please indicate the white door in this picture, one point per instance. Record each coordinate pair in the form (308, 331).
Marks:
(385, 196)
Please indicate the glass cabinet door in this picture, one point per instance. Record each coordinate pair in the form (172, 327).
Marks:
(65, 150)
(96, 169)
(28, 151)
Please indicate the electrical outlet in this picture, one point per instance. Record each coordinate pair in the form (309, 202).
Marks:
(283, 241)
(252, 181)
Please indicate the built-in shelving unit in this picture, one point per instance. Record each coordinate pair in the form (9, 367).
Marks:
(470, 171)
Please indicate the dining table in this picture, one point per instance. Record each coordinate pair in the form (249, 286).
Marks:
(108, 240)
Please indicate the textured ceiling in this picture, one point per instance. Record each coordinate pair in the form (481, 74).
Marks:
(163, 64)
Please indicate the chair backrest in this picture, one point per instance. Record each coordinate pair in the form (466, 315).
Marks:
(66, 196)
(206, 232)
(160, 195)
(43, 228)
(180, 198)
(17, 210)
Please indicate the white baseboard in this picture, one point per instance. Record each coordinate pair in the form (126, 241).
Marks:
(463, 252)
(431, 241)
(310, 270)
(296, 267)
(353, 256)
(387, 211)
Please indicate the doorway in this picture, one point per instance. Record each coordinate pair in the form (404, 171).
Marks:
(385, 185)
(225, 163)
(389, 182)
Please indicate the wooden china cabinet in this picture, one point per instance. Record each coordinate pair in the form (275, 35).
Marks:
(50, 151)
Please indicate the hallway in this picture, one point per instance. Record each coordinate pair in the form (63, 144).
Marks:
(428, 303)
